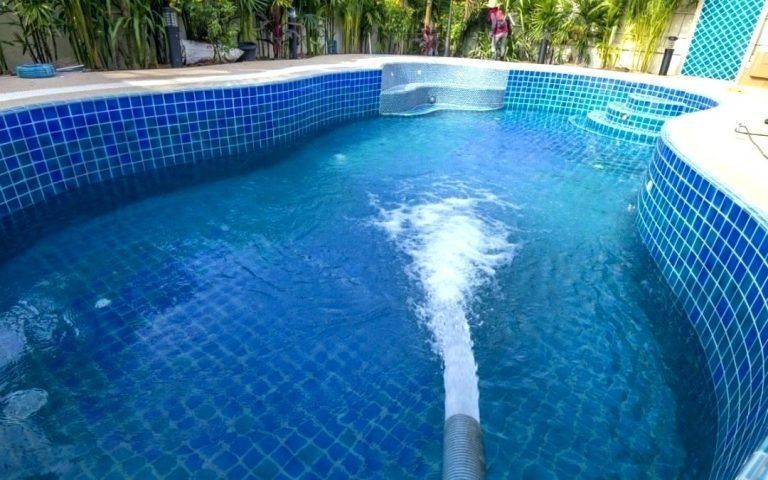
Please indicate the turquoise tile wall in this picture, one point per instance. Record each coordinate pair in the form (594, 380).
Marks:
(714, 253)
(722, 37)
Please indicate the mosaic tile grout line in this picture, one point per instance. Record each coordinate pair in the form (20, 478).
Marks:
(52, 148)
(724, 31)
(714, 254)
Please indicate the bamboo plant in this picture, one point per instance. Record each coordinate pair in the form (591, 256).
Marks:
(613, 13)
(36, 21)
(397, 24)
(648, 21)
(5, 9)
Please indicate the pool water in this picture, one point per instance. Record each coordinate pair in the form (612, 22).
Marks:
(275, 316)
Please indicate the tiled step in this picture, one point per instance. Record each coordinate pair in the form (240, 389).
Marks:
(621, 113)
(409, 87)
(645, 103)
(425, 109)
(420, 98)
(597, 122)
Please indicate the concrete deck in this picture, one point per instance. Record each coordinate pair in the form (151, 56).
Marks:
(64, 86)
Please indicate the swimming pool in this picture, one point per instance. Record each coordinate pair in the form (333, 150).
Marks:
(285, 312)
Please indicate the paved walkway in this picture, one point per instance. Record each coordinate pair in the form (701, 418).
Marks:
(15, 91)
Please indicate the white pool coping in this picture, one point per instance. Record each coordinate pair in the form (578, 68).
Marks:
(705, 139)
(67, 86)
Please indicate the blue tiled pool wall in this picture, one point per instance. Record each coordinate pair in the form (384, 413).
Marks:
(541, 90)
(714, 254)
(588, 97)
(573, 93)
(722, 37)
(49, 149)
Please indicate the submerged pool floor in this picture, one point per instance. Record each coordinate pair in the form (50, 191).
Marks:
(263, 323)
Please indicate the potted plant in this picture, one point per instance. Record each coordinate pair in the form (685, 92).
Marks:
(246, 10)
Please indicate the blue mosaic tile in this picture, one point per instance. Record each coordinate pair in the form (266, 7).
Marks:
(593, 102)
(569, 93)
(49, 149)
(714, 254)
(712, 251)
(721, 38)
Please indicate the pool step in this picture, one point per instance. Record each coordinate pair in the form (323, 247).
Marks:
(421, 98)
(644, 103)
(756, 467)
(597, 122)
(622, 113)
(437, 107)
(638, 119)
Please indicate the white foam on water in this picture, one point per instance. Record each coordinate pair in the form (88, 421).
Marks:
(102, 303)
(36, 322)
(13, 343)
(454, 250)
(23, 403)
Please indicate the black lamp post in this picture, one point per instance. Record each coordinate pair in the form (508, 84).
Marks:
(667, 58)
(293, 35)
(448, 33)
(172, 31)
(543, 49)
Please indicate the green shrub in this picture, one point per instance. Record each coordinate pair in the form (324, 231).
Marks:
(397, 24)
(36, 21)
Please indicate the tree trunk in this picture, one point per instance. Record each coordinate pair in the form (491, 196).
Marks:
(428, 14)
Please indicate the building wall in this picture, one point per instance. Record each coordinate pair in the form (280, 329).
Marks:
(760, 47)
(15, 56)
(681, 25)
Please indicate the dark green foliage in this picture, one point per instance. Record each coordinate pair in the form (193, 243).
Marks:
(109, 34)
